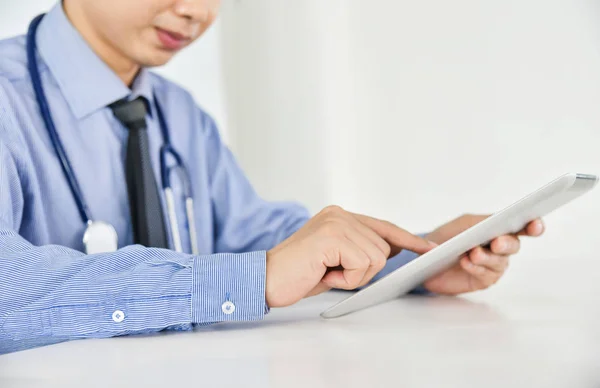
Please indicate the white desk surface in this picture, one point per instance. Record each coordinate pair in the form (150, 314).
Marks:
(539, 327)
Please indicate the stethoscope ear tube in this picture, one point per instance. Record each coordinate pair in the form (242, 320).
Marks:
(172, 214)
(189, 207)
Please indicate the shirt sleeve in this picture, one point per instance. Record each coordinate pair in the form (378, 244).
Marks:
(51, 293)
(243, 220)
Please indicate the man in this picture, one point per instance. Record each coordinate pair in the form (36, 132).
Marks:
(101, 162)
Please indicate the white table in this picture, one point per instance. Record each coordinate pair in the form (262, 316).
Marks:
(540, 327)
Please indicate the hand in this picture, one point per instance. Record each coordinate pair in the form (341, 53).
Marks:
(481, 267)
(335, 249)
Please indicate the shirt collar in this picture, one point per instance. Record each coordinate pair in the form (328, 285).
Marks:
(86, 82)
(142, 86)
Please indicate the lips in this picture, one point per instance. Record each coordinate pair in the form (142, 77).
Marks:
(171, 40)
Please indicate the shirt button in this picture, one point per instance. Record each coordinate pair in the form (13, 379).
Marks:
(118, 316)
(228, 307)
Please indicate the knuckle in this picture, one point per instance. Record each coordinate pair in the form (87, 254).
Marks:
(387, 250)
(365, 263)
(330, 228)
(333, 210)
(467, 216)
(332, 253)
(332, 244)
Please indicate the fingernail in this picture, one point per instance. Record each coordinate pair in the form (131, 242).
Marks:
(432, 244)
(540, 227)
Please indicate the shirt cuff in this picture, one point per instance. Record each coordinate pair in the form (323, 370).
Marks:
(229, 287)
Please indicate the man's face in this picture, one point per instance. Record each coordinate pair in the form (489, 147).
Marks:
(150, 32)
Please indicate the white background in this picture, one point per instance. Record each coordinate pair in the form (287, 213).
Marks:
(414, 111)
(418, 111)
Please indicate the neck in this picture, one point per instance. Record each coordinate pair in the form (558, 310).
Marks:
(124, 67)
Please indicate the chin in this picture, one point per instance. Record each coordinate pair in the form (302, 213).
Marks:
(156, 58)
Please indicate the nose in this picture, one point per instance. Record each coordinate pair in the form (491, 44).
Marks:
(195, 10)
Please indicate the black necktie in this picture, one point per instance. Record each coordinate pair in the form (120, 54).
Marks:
(144, 201)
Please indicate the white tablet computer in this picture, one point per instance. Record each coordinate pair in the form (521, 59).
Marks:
(509, 220)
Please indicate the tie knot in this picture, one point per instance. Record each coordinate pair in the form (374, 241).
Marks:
(131, 113)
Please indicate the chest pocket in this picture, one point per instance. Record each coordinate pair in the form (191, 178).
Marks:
(180, 215)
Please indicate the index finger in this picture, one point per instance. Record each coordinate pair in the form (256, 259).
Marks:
(397, 237)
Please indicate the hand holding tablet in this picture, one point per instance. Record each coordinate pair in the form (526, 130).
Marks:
(508, 221)
(482, 266)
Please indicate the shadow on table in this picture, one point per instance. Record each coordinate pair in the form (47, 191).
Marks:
(393, 344)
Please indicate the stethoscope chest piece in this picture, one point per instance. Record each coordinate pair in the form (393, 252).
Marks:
(99, 237)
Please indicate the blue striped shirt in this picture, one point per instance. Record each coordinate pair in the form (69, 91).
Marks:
(49, 290)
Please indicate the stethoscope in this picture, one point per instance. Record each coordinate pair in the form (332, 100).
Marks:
(100, 236)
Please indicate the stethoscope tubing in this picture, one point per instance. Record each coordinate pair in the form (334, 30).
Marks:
(166, 149)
